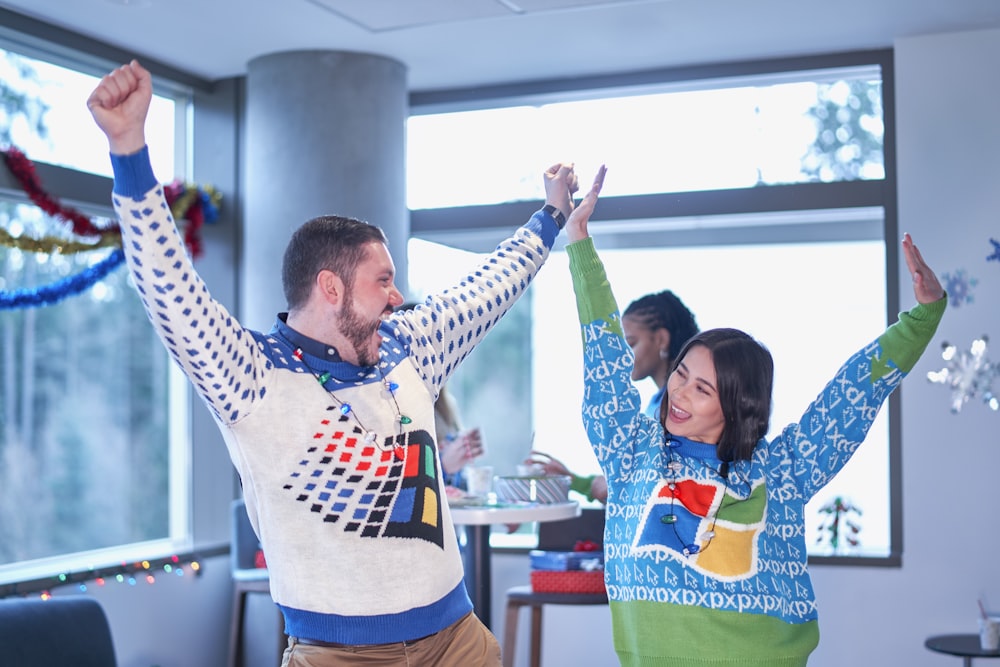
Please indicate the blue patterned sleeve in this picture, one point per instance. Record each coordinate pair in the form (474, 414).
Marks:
(220, 358)
(612, 406)
(447, 326)
(837, 422)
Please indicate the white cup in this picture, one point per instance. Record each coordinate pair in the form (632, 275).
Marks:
(989, 633)
(479, 480)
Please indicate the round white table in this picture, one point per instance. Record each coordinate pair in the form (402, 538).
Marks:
(478, 519)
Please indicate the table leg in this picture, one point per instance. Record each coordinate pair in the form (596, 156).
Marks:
(478, 572)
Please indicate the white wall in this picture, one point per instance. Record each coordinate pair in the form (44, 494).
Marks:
(174, 622)
(947, 96)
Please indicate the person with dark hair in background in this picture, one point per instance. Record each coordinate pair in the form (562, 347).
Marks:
(329, 418)
(655, 326)
(706, 560)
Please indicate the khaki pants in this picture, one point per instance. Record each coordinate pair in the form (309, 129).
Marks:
(466, 643)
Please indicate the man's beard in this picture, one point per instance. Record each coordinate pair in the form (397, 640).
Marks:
(358, 331)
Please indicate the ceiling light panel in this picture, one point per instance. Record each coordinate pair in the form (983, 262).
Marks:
(384, 15)
(531, 6)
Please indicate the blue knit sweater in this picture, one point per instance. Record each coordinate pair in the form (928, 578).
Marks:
(745, 599)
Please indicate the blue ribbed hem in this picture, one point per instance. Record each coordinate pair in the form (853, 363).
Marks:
(133, 173)
(382, 629)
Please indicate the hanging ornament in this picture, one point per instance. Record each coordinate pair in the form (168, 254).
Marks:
(968, 374)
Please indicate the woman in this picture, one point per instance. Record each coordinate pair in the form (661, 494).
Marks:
(705, 540)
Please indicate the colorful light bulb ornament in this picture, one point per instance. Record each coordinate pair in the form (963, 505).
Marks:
(968, 374)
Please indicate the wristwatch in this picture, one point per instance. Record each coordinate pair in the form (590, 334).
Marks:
(555, 213)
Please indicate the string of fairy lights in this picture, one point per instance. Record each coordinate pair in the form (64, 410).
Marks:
(132, 573)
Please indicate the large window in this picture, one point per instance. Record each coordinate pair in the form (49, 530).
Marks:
(764, 200)
(711, 135)
(93, 441)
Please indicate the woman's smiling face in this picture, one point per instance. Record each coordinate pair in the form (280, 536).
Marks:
(693, 407)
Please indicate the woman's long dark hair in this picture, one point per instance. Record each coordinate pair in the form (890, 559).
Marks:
(744, 373)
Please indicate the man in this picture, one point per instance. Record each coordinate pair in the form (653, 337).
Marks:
(329, 417)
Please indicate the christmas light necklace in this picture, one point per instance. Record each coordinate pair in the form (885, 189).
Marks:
(347, 411)
(674, 466)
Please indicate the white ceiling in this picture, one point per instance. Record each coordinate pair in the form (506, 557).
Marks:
(461, 43)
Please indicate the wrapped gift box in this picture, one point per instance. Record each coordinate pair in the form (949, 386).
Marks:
(571, 581)
(563, 561)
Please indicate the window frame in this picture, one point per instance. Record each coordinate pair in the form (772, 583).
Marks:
(451, 223)
(91, 193)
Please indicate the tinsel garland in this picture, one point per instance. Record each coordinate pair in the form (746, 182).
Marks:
(51, 245)
(195, 205)
(48, 294)
(24, 171)
(189, 203)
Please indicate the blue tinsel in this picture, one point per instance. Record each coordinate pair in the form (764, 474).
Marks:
(57, 291)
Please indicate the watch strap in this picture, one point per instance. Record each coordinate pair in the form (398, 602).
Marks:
(556, 214)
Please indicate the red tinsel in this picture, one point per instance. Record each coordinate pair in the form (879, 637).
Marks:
(189, 203)
(24, 171)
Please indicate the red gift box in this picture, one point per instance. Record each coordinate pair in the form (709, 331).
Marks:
(571, 581)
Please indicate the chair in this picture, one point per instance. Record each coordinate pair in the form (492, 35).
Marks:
(247, 579)
(555, 536)
(69, 631)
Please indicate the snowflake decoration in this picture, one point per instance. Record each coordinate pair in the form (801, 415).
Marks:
(959, 287)
(996, 251)
(967, 374)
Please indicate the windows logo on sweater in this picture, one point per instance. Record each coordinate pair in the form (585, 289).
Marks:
(370, 490)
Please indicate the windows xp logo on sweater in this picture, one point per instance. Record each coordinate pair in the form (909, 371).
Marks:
(370, 490)
(682, 516)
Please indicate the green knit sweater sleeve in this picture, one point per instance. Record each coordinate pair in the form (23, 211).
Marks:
(594, 298)
(582, 485)
(907, 338)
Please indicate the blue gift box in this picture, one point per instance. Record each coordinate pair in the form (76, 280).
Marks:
(562, 561)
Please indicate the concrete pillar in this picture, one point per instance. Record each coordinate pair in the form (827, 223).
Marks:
(325, 134)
